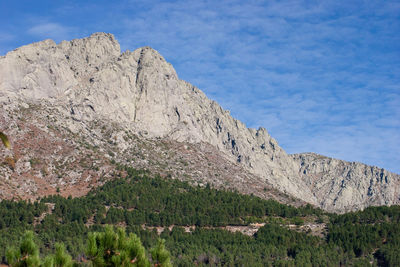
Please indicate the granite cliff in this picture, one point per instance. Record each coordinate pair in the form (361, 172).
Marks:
(88, 82)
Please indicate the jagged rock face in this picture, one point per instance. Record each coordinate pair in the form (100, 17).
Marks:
(89, 79)
(343, 186)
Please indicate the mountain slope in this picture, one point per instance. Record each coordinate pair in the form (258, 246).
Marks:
(343, 186)
(89, 81)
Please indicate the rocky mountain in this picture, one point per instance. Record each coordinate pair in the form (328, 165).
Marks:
(344, 186)
(132, 108)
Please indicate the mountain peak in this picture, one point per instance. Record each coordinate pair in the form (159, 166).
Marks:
(102, 35)
(98, 47)
(97, 40)
(89, 81)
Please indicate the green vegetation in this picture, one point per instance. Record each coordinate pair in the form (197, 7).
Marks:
(138, 201)
(26, 255)
(376, 230)
(104, 249)
(4, 140)
(111, 248)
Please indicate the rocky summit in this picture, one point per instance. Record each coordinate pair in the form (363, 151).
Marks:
(75, 108)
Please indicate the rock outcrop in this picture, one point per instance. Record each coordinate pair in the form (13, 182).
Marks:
(89, 79)
(344, 186)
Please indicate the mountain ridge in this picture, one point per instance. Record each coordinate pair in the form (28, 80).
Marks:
(90, 79)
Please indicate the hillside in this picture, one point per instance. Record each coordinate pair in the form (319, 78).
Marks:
(82, 104)
(207, 227)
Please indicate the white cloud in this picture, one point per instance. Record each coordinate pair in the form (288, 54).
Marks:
(51, 30)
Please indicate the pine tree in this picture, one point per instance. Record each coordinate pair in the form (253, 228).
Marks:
(60, 259)
(27, 255)
(111, 248)
(160, 255)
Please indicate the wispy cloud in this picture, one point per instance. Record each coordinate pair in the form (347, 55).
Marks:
(51, 30)
(320, 77)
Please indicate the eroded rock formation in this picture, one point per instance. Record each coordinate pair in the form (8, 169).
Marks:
(90, 80)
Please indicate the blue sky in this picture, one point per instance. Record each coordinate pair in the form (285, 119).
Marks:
(320, 76)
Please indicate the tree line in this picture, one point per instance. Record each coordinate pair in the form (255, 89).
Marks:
(364, 238)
